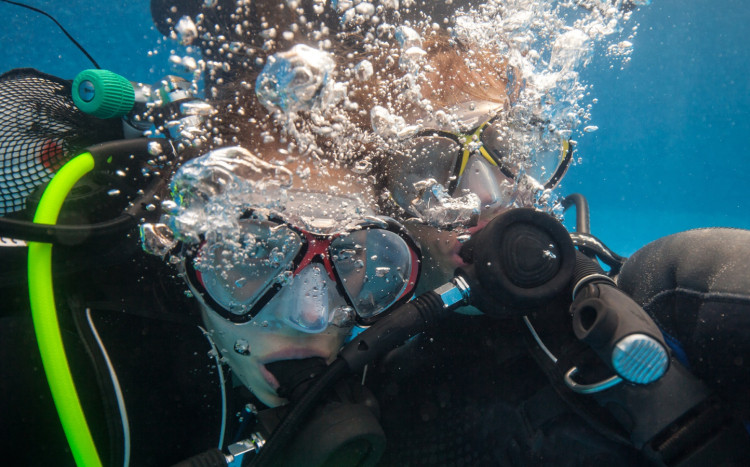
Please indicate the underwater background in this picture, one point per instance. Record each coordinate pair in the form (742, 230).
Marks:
(670, 152)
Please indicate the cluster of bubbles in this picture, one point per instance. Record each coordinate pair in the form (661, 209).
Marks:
(549, 43)
(317, 66)
(210, 193)
(213, 193)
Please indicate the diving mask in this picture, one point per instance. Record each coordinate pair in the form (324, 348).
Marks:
(374, 266)
(478, 162)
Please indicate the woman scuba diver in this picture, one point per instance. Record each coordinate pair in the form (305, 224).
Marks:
(284, 260)
(423, 172)
(284, 255)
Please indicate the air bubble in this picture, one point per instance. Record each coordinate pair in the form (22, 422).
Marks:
(382, 271)
(186, 30)
(242, 347)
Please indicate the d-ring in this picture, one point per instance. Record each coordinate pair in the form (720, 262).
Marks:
(589, 388)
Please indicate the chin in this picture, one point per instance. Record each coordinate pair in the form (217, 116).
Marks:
(260, 387)
(268, 397)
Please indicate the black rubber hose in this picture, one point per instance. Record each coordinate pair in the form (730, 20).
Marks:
(586, 267)
(394, 329)
(590, 244)
(583, 224)
(405, 322)
(61, 234)
(299, 412)
(212, 458)
(64, 234)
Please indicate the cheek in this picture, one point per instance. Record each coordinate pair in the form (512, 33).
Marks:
(240, 344)
(439, 250)
(438, 265)
(329, 344)
(329, 340)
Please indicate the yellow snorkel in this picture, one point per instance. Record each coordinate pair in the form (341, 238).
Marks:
(41, 287)
(44, 314)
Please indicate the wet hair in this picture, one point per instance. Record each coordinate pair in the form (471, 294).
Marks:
(452, 72)
(235, 40)
(451, 67)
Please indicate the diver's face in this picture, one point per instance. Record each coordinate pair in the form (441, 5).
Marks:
(493, 191)
(248, 347)
(308, 316)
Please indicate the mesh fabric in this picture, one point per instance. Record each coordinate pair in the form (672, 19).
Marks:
(40, 130)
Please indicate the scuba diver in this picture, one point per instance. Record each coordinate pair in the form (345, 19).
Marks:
(464, 144)
(447, 179)
(283, 267)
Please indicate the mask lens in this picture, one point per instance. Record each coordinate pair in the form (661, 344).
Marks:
(546, 164)
(421, 158)
(237, 274)
(374, 267)
(497, 141)
(546, 161)
(488, 182)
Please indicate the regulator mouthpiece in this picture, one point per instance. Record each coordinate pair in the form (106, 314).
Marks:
(294, 376)
(521, 259)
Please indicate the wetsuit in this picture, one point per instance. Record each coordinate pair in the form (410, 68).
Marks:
(470, 393)
(696, 285)
(149, 328)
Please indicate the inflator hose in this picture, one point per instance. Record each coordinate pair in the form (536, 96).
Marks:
(583, 223)
(67, 234)
(44, 315)
(41, 291)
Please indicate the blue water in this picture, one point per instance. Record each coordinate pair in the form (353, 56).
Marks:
(671, 152)
(118, 36)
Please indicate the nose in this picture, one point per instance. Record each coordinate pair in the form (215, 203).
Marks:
(488, 182)
(308, 303)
